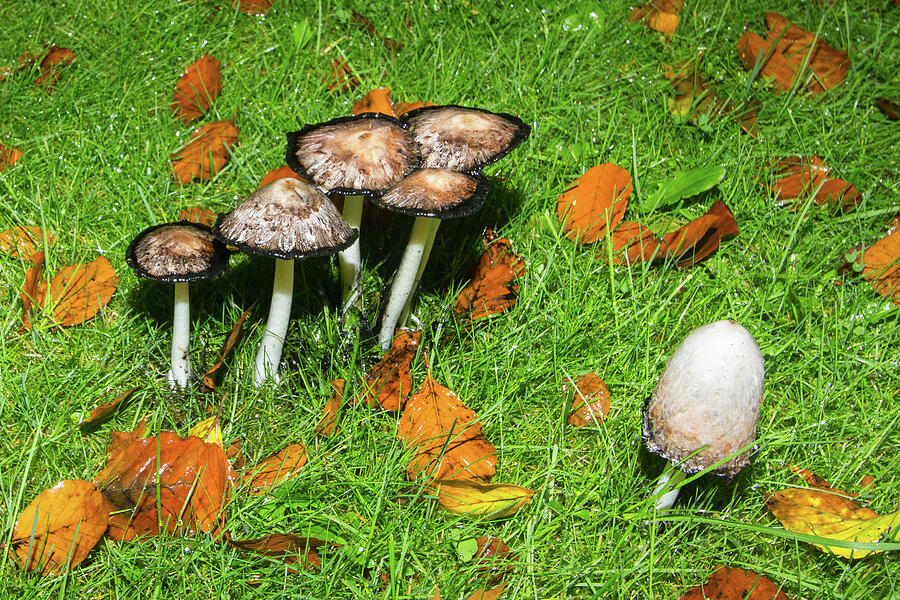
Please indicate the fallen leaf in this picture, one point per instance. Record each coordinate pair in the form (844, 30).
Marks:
(234, 336)
(595, 203)
(197, 88)
(730, 583)
(590, 404)
(279, 173)
(491, 290)
(494, 558)
(252, 7)
(890, 109)
(389, 383)
(340, 76)
(104, 411)
(696, 99)
(286, 547)
(60, 527)
(367, 25)
(445, 436)
(274, 470)
(485, 594)
(76, 293)
(817, 482)
(881, 266)
(209, 430)
(197, 214)
(376, 101)
(627, 234)
(55, 58)
(328, 424)
(482, 501)
(660, 15)
(799, 176)
(207, 152)
(25, 242)
(179, 484)
(9, 155)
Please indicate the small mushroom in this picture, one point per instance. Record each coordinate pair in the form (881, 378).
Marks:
(286, 219)
(706, 405)
(178, 253)
(430, 195)
(355, 157)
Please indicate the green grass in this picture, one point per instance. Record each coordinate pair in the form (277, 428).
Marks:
(95, 173)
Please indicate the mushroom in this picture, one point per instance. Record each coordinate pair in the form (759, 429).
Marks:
(355, 157)
(286, 219)
(706, 405)
(178, 253)
(430, 195)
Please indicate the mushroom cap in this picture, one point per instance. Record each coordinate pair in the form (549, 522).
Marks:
(177, 252)
(436, 193)
(363, 154)
(708, 396)
(464, 139)
(287, 219)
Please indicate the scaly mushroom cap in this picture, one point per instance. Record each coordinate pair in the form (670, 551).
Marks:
(364, 154)
(176, 252)
(287, 219)
(709, 395)
(436, 193)
(464, 139)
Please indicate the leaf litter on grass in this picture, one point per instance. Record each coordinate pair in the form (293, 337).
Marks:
(9, 155)
(206, 153)
(491, 289)
(796, 177)
(196, 89)
(590, 402)
(732, 583)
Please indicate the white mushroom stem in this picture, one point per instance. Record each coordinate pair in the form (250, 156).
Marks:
(671, 477)
(181, 332)
(426, 252)
(350, 261)
(407, 276)
(269, 354)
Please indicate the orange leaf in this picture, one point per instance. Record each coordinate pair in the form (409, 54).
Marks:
(274, 470)
(494, 557)
(340, 76)
(252, 7)
(208, 150)
(627, 234)
(197, 214)
(55, 58)
(197, 88)
(279, 173)
(730, 583)
(798, 176)
(389, 383)
(377, 101)
(8, 156)
(76, 293)
(328, 423)
(491, 594)
(405, 107)
(25, 242)
(591, 401)
(445, 436)
(209, 378)
(491, 291)
(31, 291)
(104, 411)
(881, 266)
(595, 203)
(660, 15)
(60, 527)
(287, 547)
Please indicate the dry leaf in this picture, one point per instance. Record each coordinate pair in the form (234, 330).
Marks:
(209, 430)
(25, 242)
(9, 155)
(274, 470)
(445, 436)
(491, 290)
(730, 583)
(660, 15)
(491, 594)
(696, 97)
(483, 501)
(328, 424)
(627, 234)
(196, 89)
(104, 411)
(799, 176)
(181, 484)
(881, 266)
(340, 76)
(30, 290)
(234, 336)
(591, 402)
(55, 58)
(60, 527)
(890, 109)
(494, 557)
(252, 7)
(376, 101)
(279, 173)
(76, 293)
(595, 203)
(389, 383)
(817, 482)
(197, 214)
(287, 547)
(367, 25)
(208, 150)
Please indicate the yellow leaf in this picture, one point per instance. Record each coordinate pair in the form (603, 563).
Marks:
(209, 430)
(481, 500)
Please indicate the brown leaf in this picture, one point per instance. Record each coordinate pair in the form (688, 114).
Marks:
(881, 266)
(627, 234)
(494, 557)
(445, 436)
(817, 482)
(595, 203)
(798, 176)
(182, 484)
(60, 527)
(9, 155)
(491, 290)
(590, 404)
(491, 594)
(274, 470)
(252, 7)
(730, 583)
(660, 15)
(25, 242)
(208, 150)
(890, 109)
(197, 214)
(55, 58)
(389, 383)
(234, 336)
(104, 411)
(279, 173)
(197, 88)
(30, 291)
(340, 76)
(376, 101)
(328, 424)
(76, 293)
(286, 547)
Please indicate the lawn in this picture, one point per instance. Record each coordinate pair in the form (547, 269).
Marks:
(95, 171)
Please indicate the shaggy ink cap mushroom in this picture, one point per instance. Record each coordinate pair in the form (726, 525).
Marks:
(178, 253)
(706, 405)
(459, 138)
(286, 219)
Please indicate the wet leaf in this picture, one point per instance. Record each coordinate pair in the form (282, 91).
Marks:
(60, 527)
(25, 242)
(697, 102)
(445, 436)
(196, 89)
(660, 15)
(76, 293)
(340, 76)
(376, 101)
(104, 411)
(730, 583)
(328, 424)
(799, 176)
(493, 557)
(51, 65)
(627, 234)
(595, 203)
(209, 430)
(890, 109)
(482, 501)
(590, 404)
(881, 266)
(274, 470)
(207, 152)
(389, 383)
(197, 214)
(252, 7)
(30, 290)
(491, 290)
(234, 336)
(9, 155)
(291, 549)
(367, 25)
(279, 173)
